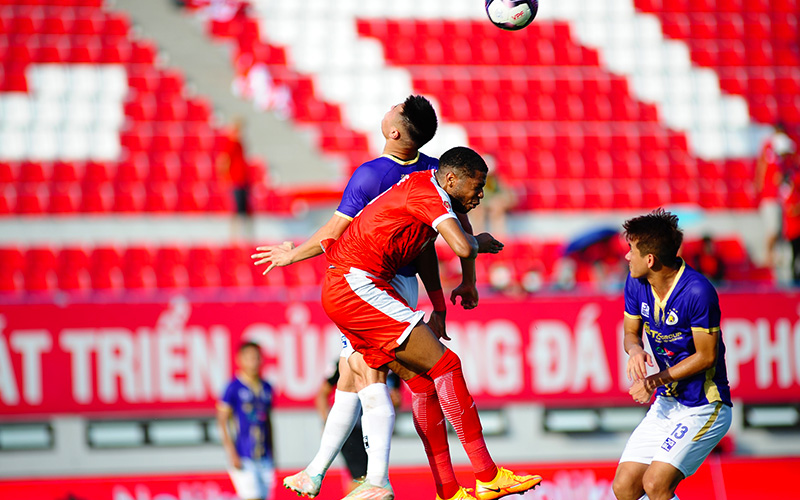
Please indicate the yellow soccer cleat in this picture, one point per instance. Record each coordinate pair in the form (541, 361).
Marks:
(505, 483)
(463, 494)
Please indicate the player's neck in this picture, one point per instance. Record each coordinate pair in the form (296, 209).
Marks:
(250, 379)
(401, 153)
(662, 280)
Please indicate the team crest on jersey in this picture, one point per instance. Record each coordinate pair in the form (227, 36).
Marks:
(672, 318)
(645, 310)
(447, 205)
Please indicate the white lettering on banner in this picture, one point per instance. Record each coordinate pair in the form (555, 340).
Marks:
(773, 351)
(31, 344)
(295, 354)
(567, 361)
(467, 342)
(79, 343)
(185, 491)
(173, 363)
(549, 355)
(9, 393)
(491, 356)
(504, 363)
(115, 353)
(590, 356)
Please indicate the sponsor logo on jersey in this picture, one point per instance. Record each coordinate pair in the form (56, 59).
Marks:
(668, 444)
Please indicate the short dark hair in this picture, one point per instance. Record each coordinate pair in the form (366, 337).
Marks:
(248, 345)
(656, 233)
(464, 160)
(420, 120)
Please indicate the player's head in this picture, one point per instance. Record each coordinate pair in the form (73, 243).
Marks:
(413, 122)
(654, 239)
(462, 174)
(248, 359)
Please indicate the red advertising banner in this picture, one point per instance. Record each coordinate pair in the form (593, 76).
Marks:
(717, 479)
(177, 355)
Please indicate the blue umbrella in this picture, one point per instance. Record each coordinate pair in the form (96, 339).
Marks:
(589, 238)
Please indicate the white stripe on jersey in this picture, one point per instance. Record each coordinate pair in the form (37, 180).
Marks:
(362, 285)
(445, 201)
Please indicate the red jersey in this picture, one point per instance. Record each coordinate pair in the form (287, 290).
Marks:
(392, 229)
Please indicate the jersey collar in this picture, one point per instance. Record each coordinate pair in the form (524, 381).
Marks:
(661, 304)
(401, 162)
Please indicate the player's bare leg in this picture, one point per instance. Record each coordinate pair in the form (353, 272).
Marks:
(439, 372)
(377, 424)
(628, 480)
(660, 481)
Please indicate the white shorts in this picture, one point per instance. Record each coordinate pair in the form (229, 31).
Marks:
(254, 480)
(679, 435)
(408, 288)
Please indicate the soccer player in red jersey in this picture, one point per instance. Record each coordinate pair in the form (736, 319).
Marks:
(396, 228)
(406, 127)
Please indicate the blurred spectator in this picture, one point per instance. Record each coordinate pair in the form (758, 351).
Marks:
(772, 168)
(254, 81)
(708, 262)
(490, 215)
(355, 456)
(243, 416)
(232, 165)
(791, 223)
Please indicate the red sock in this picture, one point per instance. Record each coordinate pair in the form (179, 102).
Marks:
(458, 406)
(432, 429)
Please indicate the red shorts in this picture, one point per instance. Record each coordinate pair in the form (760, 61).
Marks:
(369, 312)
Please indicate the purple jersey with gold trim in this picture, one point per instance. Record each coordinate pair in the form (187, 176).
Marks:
(373, 178)
(691, 306)
(250, 405)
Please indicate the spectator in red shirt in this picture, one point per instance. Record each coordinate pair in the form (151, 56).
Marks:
(231, 163)
(771, 170)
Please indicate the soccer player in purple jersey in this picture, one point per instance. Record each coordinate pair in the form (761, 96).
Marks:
(406, 127)
(678, 310)
(245, 406)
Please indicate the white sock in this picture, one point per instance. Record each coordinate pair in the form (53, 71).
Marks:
(644, 497)
(377, 424)
(341, 420)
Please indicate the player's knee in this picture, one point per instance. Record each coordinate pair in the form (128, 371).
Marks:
(656, 487)
(625, 488)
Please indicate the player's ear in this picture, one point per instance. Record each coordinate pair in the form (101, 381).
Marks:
(394, 133)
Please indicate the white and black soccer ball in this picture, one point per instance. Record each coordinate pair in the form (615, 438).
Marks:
(512, 15)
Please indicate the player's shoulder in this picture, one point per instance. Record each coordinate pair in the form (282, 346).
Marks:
(696, 285)
(635, 284)
(373, 167)
(428, 162)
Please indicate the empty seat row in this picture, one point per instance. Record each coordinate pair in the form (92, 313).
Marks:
(139, 267)
(104, 268)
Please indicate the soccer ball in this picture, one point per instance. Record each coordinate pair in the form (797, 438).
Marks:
(511, 15)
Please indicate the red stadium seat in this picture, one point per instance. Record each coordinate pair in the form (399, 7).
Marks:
(104, 268)
(39, 273)
(97, 198)
(137, 268)
(12, 262)
(170, 268)
(32, 199)
(129, 197)
(65, 198)
(73, 269)
(234, 265)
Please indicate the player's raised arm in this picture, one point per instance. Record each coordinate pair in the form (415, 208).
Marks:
(286, 253)
(427, 264)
